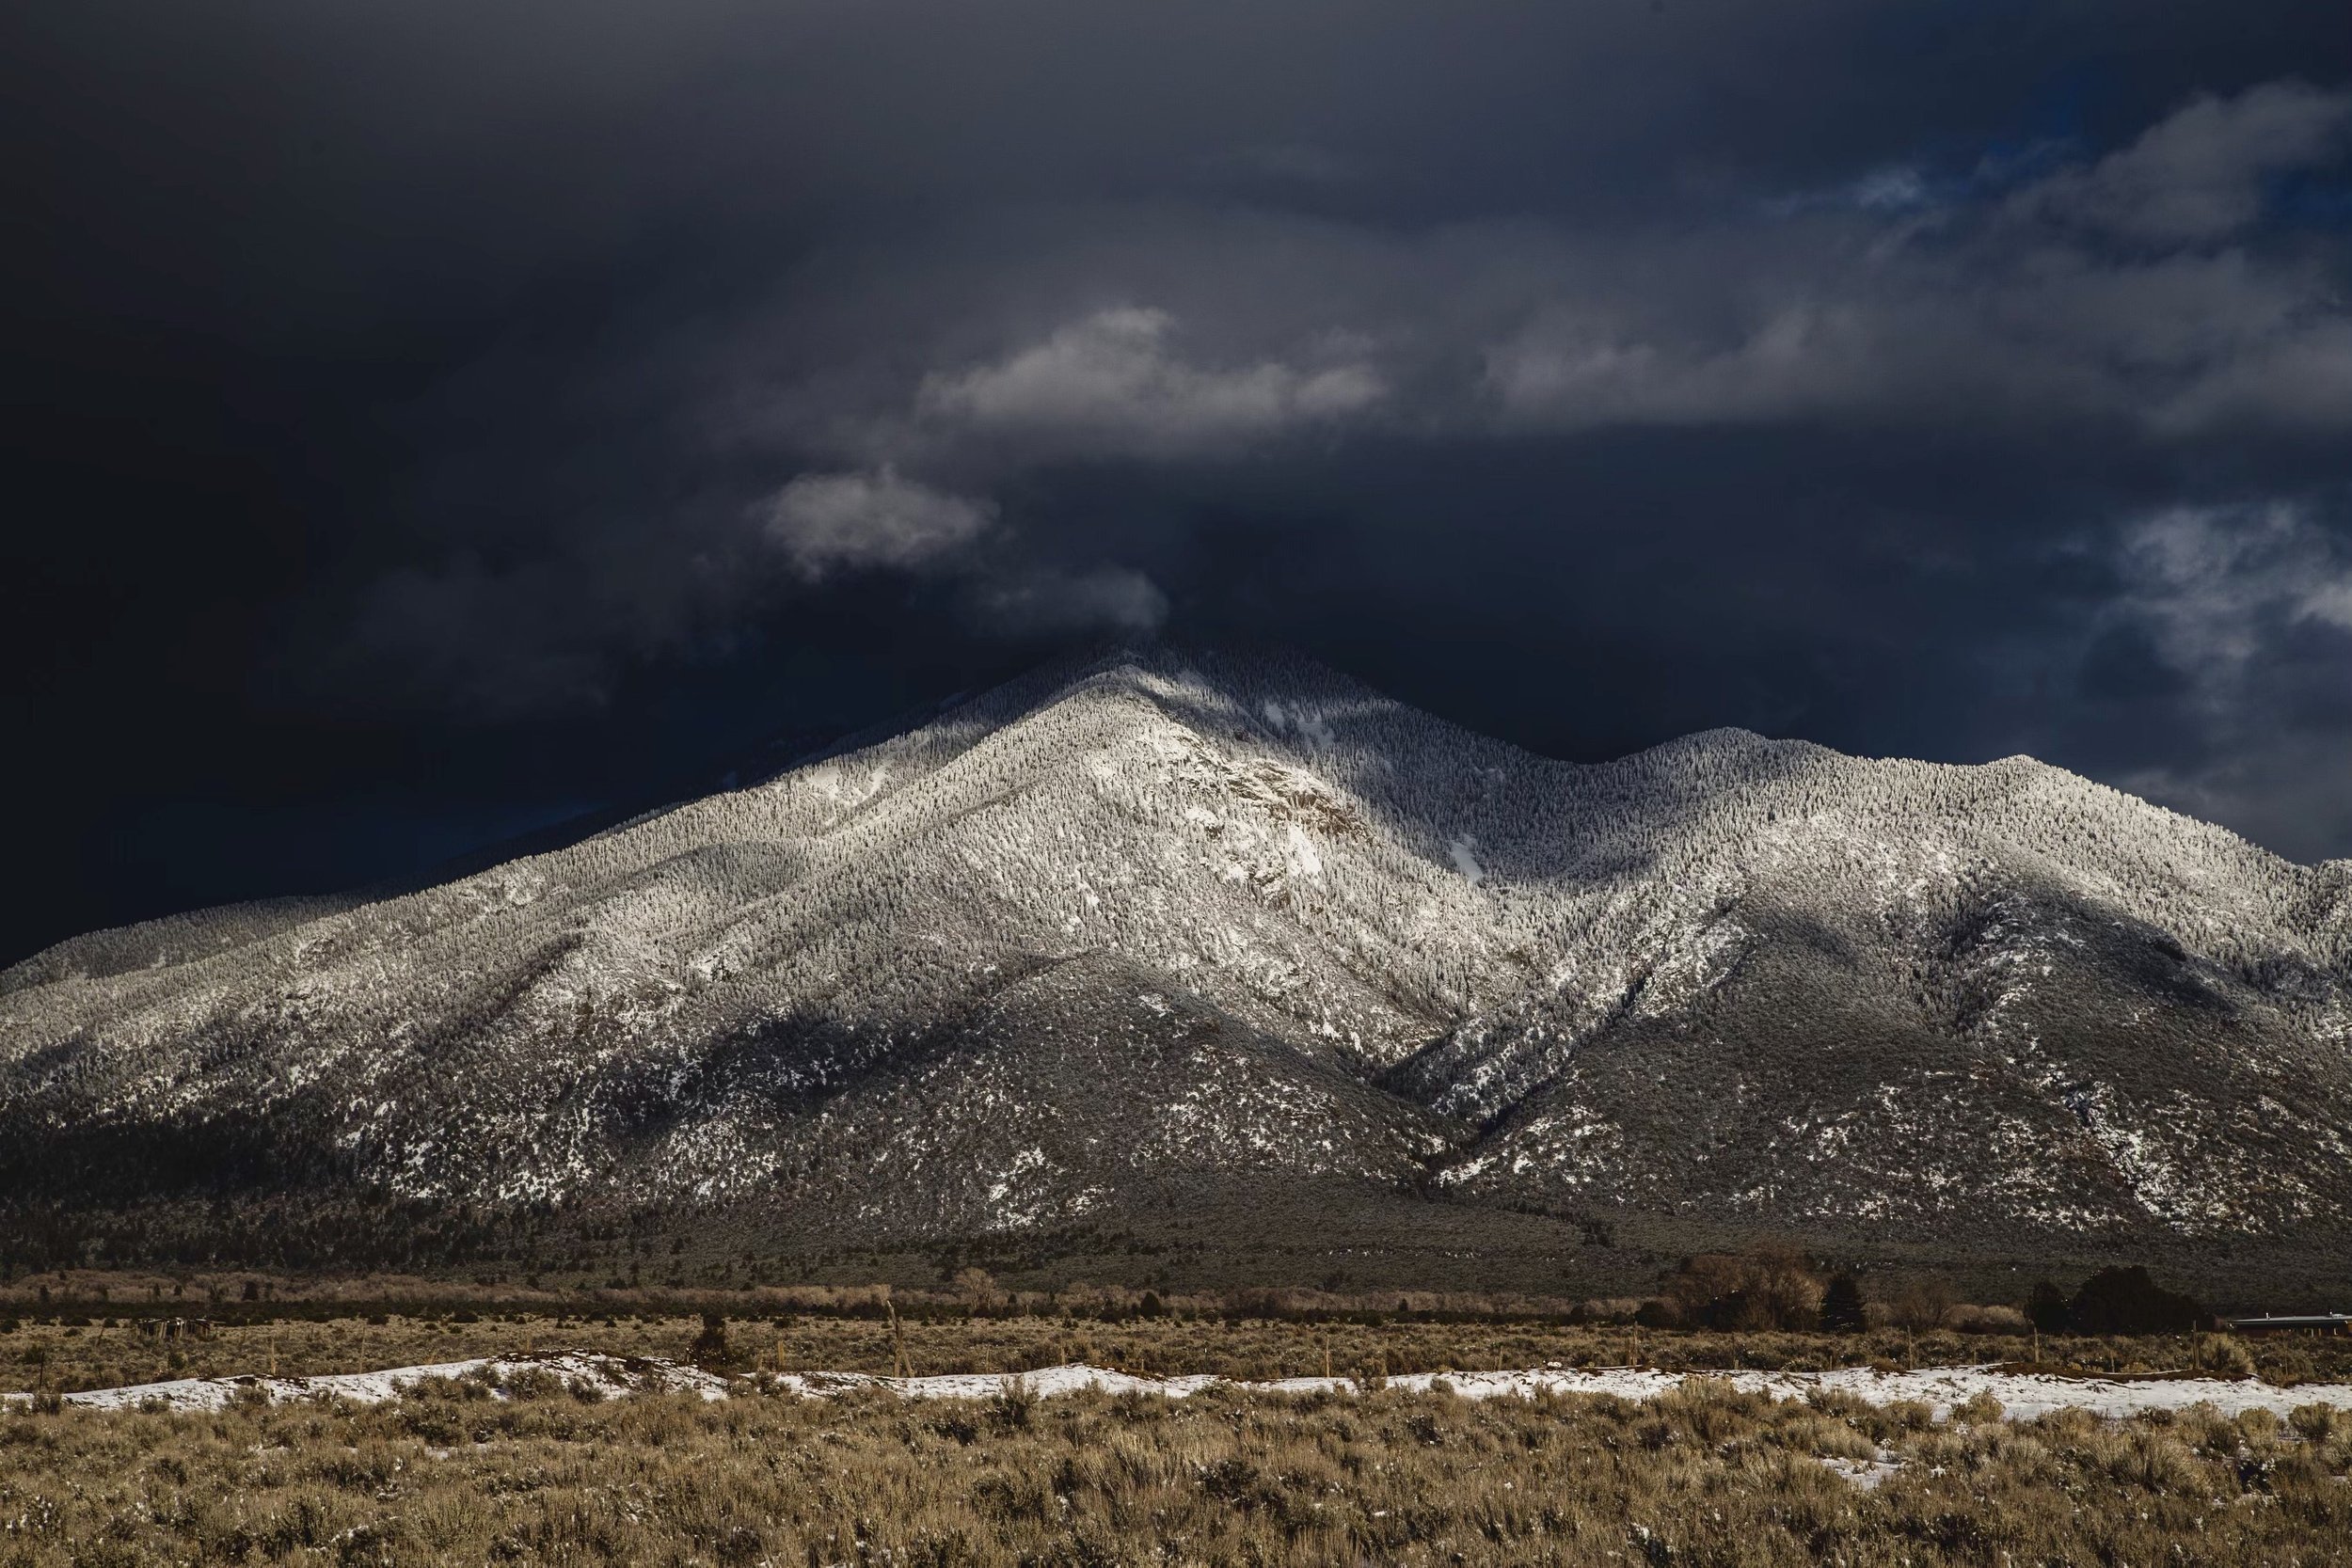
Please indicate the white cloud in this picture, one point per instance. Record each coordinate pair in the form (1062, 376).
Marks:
(828, 522)
(2297, 377)
(1889, 188)
(2026, 309)
(2196, 175)
(2250, 606)
(1113, 382)
(1902, 296)
(1051, 601)
(1894, 189)
(2215, 585)
(876, 519)
(1574, 369)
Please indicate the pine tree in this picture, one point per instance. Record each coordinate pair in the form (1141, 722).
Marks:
(2045, 1307)
(1842, 1311)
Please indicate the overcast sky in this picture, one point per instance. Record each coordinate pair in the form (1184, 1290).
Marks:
(427, 421)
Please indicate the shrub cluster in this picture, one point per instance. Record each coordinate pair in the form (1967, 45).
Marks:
(2116, 1301)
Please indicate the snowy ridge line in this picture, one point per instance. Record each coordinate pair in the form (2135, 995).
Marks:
(1167, 917)
(2023, 1395)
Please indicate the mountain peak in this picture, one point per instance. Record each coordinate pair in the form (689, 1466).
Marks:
(1159, 920)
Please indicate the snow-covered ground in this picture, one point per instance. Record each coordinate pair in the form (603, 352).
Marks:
(2022, 1395)
(608, 1375)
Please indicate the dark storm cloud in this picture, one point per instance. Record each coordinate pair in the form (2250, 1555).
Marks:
(412, 399)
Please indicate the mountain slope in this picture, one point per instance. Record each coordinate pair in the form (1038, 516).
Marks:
(1080, 946)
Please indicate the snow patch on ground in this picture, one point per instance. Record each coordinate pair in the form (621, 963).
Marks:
(1868, 1474)
(2023, 1395)
(608, 1375)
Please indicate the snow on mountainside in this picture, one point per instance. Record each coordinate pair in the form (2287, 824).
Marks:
(1113, 931)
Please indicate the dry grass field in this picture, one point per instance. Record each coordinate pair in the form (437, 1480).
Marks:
(1706, 1475)
(538, 1470)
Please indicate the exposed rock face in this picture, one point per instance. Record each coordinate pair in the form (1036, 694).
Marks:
(1175, 917)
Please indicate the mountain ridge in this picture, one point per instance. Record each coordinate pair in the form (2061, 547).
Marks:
(974, 976)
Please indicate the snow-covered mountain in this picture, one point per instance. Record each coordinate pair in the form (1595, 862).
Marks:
(1173, 923)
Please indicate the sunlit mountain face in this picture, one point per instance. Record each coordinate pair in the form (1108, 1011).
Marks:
(1143, 936)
